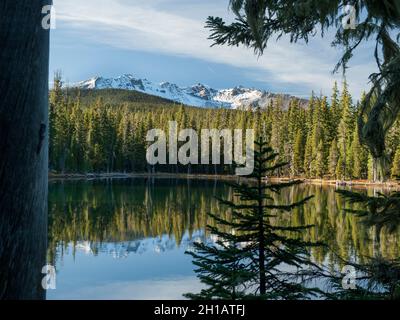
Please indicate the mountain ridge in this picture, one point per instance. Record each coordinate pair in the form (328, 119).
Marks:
(198, 95)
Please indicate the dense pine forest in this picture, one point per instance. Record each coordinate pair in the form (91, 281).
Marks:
(105, 131)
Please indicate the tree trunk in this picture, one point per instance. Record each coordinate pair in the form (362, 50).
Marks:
(24, 57)
(375, 169)
(379, 169)
(261, 243)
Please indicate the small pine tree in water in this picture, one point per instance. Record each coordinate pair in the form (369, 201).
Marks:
(253, 258)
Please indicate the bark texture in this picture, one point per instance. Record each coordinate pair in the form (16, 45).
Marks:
(24, 58)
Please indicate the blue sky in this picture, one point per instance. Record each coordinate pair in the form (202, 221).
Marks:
(165, 40)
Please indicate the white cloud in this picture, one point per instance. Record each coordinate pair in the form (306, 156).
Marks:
(152, 25)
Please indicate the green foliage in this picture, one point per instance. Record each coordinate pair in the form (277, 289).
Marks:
(298, 154)
(360, 157)
(333, 158)
(105, 131)
(115, 97)
(254, 257)
(396, 164)
(257, 22)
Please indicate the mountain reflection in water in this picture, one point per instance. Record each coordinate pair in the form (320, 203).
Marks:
(126, 239)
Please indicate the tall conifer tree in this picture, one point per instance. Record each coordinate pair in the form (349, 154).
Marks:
(252, 253)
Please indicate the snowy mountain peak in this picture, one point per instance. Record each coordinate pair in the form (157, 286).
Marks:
(198, 95)
(202, 91)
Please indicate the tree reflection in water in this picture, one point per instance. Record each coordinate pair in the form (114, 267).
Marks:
(90, 213)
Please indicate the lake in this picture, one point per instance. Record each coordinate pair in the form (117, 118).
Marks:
(126, 239)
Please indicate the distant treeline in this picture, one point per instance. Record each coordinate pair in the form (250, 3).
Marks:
(105, 131)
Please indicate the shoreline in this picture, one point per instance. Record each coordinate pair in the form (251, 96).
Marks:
(323, 182)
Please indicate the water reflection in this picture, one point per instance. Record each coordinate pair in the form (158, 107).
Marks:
(118, 239)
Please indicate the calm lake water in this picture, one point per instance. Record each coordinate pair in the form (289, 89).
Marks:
(126, 239)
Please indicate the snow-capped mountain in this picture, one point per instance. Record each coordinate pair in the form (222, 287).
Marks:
(198, 95)
(159, 245)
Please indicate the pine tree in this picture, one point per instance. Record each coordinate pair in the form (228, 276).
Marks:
(360, 156)
(78, 145)
(89, 134)
(55, 101)
(333, 159)
(345, 132)
(251, 250)
(316, 166)
(308, 156)
(256, 23)
(396, 165)
(298, 154)
(320, 161)
(63, 133)
(335, 112)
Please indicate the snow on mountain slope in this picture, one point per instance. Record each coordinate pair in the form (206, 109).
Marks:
(240, 97)
(198, 95)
